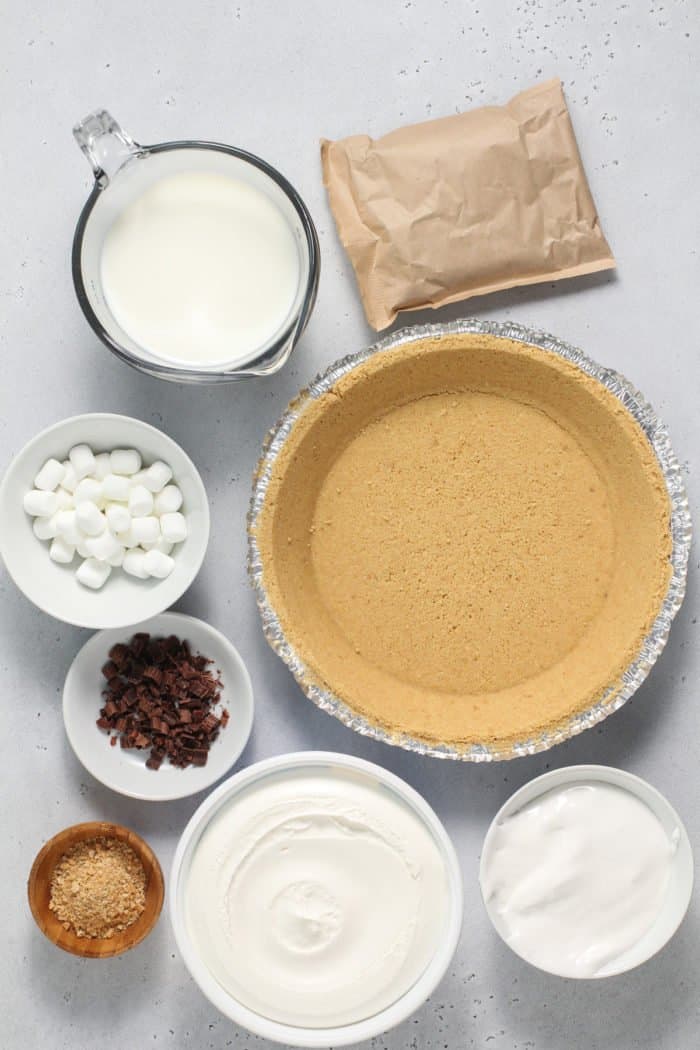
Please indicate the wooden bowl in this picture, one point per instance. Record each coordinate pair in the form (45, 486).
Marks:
(39, 891)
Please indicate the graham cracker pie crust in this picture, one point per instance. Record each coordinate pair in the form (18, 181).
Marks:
(466, 539)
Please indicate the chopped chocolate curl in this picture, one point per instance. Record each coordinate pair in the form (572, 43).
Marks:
(160, 695)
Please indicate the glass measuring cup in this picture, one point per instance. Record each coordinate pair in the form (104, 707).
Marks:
(123, 171)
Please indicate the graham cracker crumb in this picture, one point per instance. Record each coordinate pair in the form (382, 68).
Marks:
(98, 888)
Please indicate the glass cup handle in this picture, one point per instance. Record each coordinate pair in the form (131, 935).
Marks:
(105, 144)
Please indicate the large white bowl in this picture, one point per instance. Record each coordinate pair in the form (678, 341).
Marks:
(680, 886)
(124, 600)
(124, 769)
(289, 1034)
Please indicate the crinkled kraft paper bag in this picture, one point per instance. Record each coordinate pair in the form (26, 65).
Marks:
(473, 203)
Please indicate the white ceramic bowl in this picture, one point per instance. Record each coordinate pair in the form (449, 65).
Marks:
(53, 588)
(125, 770)
(289, 1034)
(681, 883)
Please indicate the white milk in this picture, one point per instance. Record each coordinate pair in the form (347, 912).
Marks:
(201, 269)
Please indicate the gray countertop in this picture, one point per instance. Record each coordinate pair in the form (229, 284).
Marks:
(273, 78)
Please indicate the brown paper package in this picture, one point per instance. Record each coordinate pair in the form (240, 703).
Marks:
(474, 203)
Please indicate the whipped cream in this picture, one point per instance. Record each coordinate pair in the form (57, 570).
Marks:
(316, 897)
(577, 877)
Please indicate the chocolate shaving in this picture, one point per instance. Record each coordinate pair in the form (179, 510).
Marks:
(110, 670)
(160, 695)
(210, 723)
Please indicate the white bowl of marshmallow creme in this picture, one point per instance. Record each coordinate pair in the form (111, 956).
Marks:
(586, 872)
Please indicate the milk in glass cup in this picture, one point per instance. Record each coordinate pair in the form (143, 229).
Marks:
(192, 261)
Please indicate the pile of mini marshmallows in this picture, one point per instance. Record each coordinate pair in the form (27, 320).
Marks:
(110, 511)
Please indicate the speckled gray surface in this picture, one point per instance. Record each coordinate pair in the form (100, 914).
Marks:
(273, 78)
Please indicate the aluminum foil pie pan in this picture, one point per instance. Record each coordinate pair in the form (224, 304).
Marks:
(619, 691)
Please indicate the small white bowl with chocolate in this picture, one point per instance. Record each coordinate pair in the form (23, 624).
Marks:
(159, 711)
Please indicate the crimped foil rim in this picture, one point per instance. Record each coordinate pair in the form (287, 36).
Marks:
(619, 691)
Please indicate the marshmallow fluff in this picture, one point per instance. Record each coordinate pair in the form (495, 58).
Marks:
(316, 897)
(201, 269)
(109, 511)
(577, 877)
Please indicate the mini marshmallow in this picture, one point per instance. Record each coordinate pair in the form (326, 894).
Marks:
(134, 564)
(82, 548)
(82, 461)
(103, 547)
(125, 461)
(67, 527)
(173, 527)
(88, 490)
(93, 573)
(118, 517)
(65, 499)
(158, 564)
(69, 480)
(159, 545)
(103, 466)
(40, 504)
(61, 551)
(127, 539)
(140, 501)
(45, 528)
(168, 500)
(157, 476)
(111, 509)
(145, 530)
(115, 487)
(50, 476)
(90, 519)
